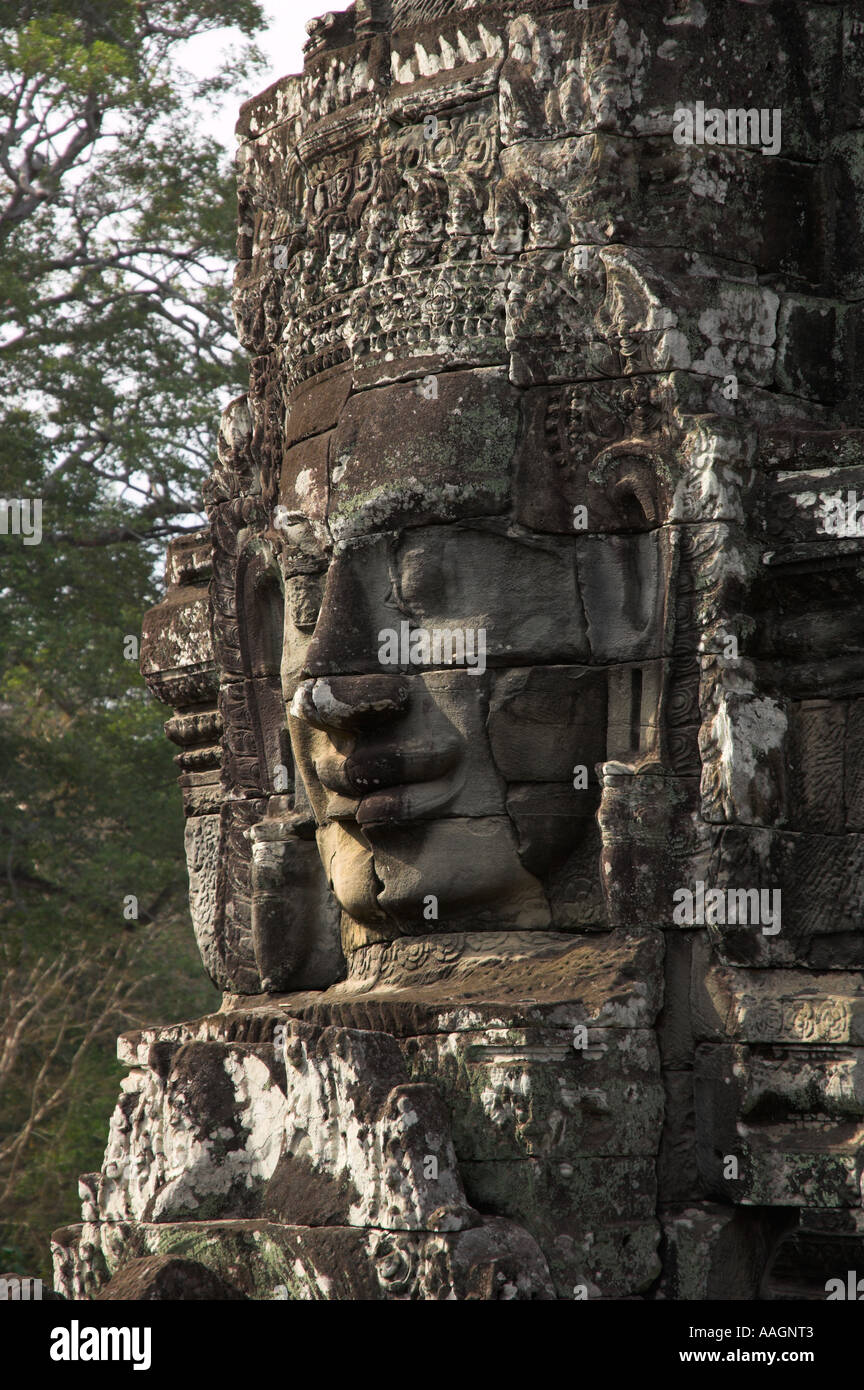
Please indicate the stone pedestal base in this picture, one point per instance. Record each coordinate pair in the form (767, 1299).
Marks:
(420, 1131)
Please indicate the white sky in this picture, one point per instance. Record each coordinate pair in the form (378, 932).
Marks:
(282, 43)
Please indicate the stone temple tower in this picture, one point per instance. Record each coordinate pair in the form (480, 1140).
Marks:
(518, 679)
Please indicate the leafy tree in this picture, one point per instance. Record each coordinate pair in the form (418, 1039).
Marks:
(116, 223)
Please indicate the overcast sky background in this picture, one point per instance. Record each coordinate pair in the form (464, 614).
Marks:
(282, 43)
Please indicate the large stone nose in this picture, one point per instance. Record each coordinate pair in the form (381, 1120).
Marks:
(353, 612)
(350, 702)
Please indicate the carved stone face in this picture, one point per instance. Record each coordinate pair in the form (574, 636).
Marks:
(536, 382)
(448, 680)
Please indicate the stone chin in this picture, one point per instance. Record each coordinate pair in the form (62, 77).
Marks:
(350, 870)
(441, 875)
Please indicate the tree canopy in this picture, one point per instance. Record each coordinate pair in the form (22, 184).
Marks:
(117, 215)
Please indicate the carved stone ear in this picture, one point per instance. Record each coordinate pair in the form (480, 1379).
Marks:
(294, 917)
(260, 609)
(262, 750)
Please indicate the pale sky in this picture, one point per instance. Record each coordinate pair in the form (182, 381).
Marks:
(282, 43)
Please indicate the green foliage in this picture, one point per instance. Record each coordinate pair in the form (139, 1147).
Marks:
(116, 351)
